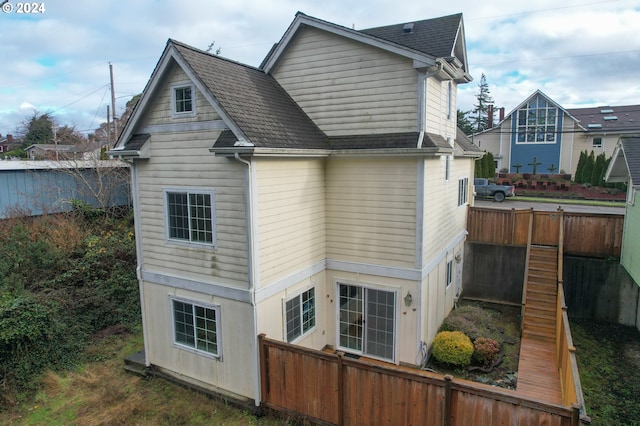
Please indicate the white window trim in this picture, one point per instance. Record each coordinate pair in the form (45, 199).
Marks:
(449, 100)
(447, 168)
(448, 274)
(631, 194)
(181, 85)
(195, 350)
(396, 320)
(593, 142)
(212, 193)
(465, 191)
(284, 313)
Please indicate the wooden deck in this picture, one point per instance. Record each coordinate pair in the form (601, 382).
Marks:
(538, 376)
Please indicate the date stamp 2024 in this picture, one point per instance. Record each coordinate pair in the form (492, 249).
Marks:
(33, 8)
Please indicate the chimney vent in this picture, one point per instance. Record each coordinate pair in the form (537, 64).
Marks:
(408, 28)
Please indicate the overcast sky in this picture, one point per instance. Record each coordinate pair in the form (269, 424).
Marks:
(579, 52)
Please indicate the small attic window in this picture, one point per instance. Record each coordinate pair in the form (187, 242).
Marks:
(595, 126)
(610, 118)
(408, 28)
(183, 100)
(606, 111)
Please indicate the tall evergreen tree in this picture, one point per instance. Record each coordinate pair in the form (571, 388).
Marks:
(587, 170)
(490, 165)
(577, 177)
(598, 170)
(479, 114)
(464, 124)
(38, 129)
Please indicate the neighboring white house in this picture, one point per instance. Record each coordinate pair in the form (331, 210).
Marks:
(320, 199)
(539, 128)
(625, 167)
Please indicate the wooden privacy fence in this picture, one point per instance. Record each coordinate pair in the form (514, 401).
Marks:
(333, 389)
(585, 234)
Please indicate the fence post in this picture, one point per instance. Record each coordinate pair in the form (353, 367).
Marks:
(340, 382)
(446, 421)
(264, 365)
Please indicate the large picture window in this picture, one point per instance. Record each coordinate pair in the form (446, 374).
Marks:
(190, 216)
(196, 326)
(300, 314)
(537, 122)
(367, 321)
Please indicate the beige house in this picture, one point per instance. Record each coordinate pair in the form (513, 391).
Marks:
(541, 131)
(320, 199)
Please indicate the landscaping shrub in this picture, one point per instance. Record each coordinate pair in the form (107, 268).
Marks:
(485, 350)
(453, 347)
(470, 320)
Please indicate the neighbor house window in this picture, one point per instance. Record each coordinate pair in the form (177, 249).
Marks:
(449, 274)
(463, 190)
(183, 100)
(190, 216)
(196, 326)
(537, 122)
(367, 320)
(597, 142)
(300, 314)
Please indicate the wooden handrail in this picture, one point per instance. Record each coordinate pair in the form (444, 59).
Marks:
(526, 267)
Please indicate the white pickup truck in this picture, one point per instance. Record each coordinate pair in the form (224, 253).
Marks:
(483, 188)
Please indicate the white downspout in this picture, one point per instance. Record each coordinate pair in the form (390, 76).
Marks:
(252, 275)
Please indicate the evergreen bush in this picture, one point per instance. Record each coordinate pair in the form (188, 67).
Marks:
(485, 350)
(453, 347)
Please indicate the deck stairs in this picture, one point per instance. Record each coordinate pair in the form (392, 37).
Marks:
(539, 319)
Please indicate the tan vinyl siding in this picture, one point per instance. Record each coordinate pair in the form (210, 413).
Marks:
(291, 223)
(347, 87)
(184, 161)
(444, 220)
(232, 373)
(436, 108)
(162, 113)
(371, 211)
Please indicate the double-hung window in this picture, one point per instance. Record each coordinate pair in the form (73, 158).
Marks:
(190, 216)
(196, 326)
(449, 274)
(463, 190)
(183, 100)
(300, 314)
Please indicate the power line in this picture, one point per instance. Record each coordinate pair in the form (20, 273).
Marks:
(540, 11)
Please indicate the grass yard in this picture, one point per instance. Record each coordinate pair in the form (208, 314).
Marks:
(102, 393)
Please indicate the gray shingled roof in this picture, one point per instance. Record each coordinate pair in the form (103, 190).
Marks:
(136, 142)
(436, 37)
(465, 143)
(631, 148)
(255, 101)
(375, 141)
(627, 118)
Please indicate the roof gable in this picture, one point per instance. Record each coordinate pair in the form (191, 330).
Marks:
(257, 110)
(431, 41)
(625, 162)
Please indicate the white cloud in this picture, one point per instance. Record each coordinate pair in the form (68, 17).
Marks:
(59, 60)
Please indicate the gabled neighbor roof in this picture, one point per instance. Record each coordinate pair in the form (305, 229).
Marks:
(618, 119)
(625, 162)
(430, 42)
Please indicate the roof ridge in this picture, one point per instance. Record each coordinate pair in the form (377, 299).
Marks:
(459, 14)
(212, 55)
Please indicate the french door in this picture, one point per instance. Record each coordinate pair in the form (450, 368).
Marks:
(367, 321)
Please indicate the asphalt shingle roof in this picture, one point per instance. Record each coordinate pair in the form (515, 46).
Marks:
(627, 118)
(136, 142)
(436, 37)
(255, 101)
(631, 148)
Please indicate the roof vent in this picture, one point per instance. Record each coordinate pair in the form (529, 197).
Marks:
(594, 126)
(408, 28)
(610, 118)
(606, 111)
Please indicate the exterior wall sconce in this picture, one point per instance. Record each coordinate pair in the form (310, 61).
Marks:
(408, 299)
(458, 257)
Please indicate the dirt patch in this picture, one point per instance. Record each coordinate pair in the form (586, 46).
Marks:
(495, 321)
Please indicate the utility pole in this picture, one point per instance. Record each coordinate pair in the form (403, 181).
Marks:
(108, 128)
(113, 103)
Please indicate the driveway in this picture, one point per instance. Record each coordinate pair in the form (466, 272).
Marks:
(513, 203)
